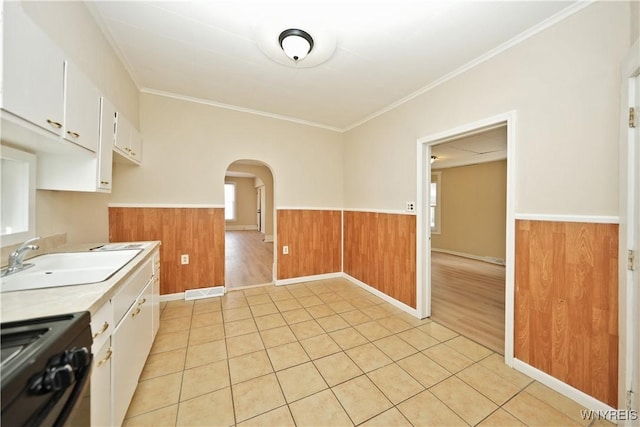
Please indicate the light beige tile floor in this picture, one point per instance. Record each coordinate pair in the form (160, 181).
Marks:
(327, 353)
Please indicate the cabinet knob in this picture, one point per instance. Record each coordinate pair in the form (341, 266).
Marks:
(107, 357)
(73, 134)
(104, 182)
(54, 123)
(105, 326)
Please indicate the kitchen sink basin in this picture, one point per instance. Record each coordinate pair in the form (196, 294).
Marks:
(68, 268)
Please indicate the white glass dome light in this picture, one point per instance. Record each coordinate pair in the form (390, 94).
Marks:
(295, 43)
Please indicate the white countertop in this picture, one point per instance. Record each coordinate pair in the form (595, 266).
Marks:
(69, 299)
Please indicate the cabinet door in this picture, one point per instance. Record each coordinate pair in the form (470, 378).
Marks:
(131, 342)
(33, 72)
(82, 109)
(101, 386)
(135, 145)
(155, 295)
(123, 134)
(145, 303)
(105, 146)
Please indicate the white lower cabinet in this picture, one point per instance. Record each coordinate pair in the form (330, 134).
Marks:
(100, 392)
(123, 331)
(155, 310)
(131, 343)
(101, 386)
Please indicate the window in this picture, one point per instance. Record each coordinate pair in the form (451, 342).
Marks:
(229, 201)
(18, 183)
(434, 202)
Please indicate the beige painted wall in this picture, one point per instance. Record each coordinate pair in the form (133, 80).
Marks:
(473, 210)
(265, 175)
(83, 216)
(246, 204)
(188, 147)
(564, 85)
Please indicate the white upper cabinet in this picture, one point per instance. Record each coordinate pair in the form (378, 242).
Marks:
(128, 140)
(105, 153)
(82, 170)
(49, 107)
(82, 109)
(136, 145)
(33, 73)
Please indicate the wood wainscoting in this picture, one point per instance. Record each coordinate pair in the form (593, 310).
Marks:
(314, 241)
(380, 250)
(198, 232)
(566, 303)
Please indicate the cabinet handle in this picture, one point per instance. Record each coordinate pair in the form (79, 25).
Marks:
(105, 326)
(54, 123)
(135, 313)
(142, 302)
(73, 134)
(107, 357)
(104, 182)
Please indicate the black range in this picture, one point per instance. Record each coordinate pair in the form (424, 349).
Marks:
(45, 364)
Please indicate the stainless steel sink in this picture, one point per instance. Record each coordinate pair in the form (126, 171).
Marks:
(68, 268)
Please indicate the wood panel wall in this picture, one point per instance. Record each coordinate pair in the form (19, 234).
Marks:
(380, 250)
(566, 303)
(314, 241)
(198, 232)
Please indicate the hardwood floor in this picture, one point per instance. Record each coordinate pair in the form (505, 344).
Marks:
(248, 259)
(468, 296)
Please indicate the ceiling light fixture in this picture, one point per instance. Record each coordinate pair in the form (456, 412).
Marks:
(296, 43)
(433, 159)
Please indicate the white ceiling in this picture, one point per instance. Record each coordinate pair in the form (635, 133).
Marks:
(386, 50)
(481, 147)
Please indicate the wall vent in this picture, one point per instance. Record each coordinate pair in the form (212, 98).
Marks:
(216, 291)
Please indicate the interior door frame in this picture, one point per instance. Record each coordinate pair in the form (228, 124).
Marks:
(629, 239)
(423, 240)
(259, 210)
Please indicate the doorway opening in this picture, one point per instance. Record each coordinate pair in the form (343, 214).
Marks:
(466, 230)
(467, 218)
(249, 224)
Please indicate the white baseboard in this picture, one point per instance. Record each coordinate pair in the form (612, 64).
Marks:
(563, 388)
(307, 279)
(268, 238)
(244, 288)
(402, 306)
(172, 297)
(185, 295)
(492, 260)
(241, 227)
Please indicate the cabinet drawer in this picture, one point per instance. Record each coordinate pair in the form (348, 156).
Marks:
(101, 326)
(125, 297)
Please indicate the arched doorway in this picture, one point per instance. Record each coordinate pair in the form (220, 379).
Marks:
(249, 224)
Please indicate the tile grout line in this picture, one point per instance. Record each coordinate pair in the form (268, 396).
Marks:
(352, 325)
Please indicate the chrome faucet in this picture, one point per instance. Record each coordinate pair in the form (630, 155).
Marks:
(17, 256)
